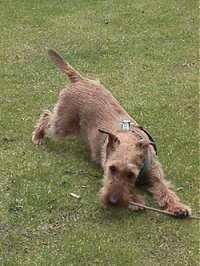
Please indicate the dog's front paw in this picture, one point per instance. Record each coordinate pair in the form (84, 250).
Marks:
(180, 210)
(133, 207)
(136, 202)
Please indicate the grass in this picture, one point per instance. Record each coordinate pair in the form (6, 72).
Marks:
(146, 53)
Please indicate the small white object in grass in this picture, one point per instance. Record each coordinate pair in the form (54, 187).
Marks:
(179, 188)
(75, 195)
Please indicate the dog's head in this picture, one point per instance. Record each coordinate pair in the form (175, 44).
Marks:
(124, 159)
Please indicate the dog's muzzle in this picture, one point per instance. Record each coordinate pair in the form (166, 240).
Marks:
(113, 199)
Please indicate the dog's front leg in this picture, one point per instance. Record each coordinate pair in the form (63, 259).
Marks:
(163, 193)
(136, 198)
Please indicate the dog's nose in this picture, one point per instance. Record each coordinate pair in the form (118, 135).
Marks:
(113, 199)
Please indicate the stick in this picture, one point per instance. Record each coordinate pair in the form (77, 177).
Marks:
(75, 195)
(158, 210)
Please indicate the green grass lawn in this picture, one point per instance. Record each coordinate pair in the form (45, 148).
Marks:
(146, 53)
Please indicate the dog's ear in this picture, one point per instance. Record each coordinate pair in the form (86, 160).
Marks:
(144, 143)
(113, 141)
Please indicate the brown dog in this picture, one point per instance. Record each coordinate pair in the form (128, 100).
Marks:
(124, 150)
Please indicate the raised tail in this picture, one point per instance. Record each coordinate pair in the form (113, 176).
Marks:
(73, 75)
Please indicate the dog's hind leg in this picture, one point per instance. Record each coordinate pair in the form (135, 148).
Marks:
(63, 121)
(41, 128)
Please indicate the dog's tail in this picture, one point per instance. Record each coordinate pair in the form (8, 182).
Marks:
(73, 75)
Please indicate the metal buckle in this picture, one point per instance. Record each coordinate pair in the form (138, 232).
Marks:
(126, 125)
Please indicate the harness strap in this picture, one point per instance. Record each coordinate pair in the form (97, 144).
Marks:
(146, 166)
(150, 137)
(145, 169)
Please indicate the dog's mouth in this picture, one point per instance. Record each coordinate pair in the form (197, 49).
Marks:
(114, 199)
(115, 194)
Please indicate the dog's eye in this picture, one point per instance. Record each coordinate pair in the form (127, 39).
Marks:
(113, 170)
(130, 175)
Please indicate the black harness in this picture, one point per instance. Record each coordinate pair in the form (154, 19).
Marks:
(150, 137)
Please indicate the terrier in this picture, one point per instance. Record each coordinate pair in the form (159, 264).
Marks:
(125, 151)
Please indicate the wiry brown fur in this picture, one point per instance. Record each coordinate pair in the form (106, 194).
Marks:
(86, 108)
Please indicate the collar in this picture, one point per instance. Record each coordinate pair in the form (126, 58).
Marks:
(150, 137)
(128, 125)
(146, 167)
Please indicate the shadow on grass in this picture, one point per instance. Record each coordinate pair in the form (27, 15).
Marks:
(73, 147)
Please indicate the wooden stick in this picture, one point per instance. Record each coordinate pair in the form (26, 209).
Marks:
(75, 195)
(160, 211)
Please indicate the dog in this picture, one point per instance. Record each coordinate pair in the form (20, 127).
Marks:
(125, 151)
